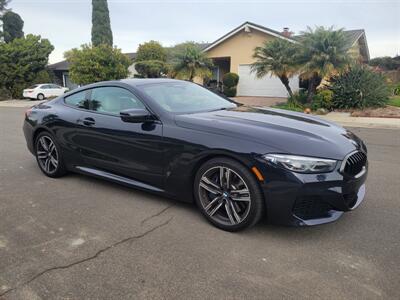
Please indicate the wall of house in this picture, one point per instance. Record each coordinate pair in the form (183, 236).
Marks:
(355, 51)
(240, 47)
(132, 71)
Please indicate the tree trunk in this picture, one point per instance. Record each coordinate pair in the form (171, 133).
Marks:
(313, 83)
(285, 82)
(191, 76)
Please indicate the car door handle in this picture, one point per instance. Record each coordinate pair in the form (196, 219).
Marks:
(88, 121)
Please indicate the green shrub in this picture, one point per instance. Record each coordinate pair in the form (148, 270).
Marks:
(323, 99)
(230, 80)
(151, 68)
(299, 97)
(43, 76)
(5, 94)
(396, 90)
(230, 91)
(90, 64)
(359, 87)
(293, 106)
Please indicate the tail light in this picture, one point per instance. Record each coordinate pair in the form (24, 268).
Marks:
(28, 112)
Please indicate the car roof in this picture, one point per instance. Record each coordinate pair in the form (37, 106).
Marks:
(143, 81)
(136, 82)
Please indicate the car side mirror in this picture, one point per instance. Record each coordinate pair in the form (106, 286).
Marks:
(136, 115)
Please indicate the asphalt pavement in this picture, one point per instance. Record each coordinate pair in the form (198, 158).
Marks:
(82, 238)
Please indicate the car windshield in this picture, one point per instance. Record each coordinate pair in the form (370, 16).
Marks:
(184, 97)
(33, 86)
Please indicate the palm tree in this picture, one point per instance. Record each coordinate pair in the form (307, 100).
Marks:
(277, 59)
(323, 52)
(190, 62)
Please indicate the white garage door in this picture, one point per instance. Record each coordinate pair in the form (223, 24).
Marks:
(250, 85)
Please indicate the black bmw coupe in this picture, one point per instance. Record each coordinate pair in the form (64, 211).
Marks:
(238, 163)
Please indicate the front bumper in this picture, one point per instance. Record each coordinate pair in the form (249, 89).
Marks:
(309, 199)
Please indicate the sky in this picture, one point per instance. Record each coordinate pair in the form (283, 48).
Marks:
(67, 23)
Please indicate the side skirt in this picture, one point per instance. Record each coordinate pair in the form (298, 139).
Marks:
(119, 179)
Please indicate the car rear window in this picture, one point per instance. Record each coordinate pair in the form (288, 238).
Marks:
(77, 100)
(33, 86)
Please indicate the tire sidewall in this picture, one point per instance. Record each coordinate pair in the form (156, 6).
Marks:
(257, 200)
(40, 96)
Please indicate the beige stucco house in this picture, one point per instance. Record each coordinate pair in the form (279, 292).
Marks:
(233, 53)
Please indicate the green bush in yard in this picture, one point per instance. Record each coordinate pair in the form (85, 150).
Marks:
(359, 87)
(299, 97)
(323, 99)
(90, 64)
(396, 90)
(230, 91)
(230, 80)
(21, 60)
(44, 76)
(4, 94)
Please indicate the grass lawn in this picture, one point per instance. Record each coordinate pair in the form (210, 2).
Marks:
(287, 106)
(394, 101)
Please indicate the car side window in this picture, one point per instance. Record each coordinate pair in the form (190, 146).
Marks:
(46, 86)
(55, 86)
(113, 100)
(77, 100)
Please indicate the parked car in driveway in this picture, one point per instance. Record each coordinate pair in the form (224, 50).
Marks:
(238, 163)
(43, 91)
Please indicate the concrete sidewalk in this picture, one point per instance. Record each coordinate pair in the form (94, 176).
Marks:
(20, 103)
(345, 119)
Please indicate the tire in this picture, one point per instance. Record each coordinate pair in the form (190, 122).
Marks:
(40, 97)
(48, 155)
(232, 207)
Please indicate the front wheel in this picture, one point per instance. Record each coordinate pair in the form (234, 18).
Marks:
(228, 195)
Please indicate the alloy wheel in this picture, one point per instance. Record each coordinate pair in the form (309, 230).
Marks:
(224, 195)
(47, 154)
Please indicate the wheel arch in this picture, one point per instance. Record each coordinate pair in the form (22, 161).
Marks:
(213, 155)
(38, 131)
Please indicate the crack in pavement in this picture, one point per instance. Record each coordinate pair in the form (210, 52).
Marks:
(97, 254)
(156, 215)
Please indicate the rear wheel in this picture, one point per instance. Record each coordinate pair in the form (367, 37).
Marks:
(228, 194)
(48, 155)
(40, 97)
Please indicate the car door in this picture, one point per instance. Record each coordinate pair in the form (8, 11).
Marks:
(56, 90)
(107, 143)
(67, 127)
(45, 90)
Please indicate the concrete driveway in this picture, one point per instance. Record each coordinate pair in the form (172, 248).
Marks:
(82, 238)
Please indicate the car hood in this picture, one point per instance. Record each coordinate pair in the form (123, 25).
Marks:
(290, 132)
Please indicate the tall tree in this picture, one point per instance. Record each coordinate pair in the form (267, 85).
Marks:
(12, 26)
(276, 58)
(101, 28)
(323, 53)
(21, 60)
(93, 64)
(151, 60)
(3, 5)
(189, 61)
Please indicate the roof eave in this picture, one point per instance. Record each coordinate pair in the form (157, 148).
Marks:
(242, 27)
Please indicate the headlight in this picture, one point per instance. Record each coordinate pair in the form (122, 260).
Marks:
(301, 164)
